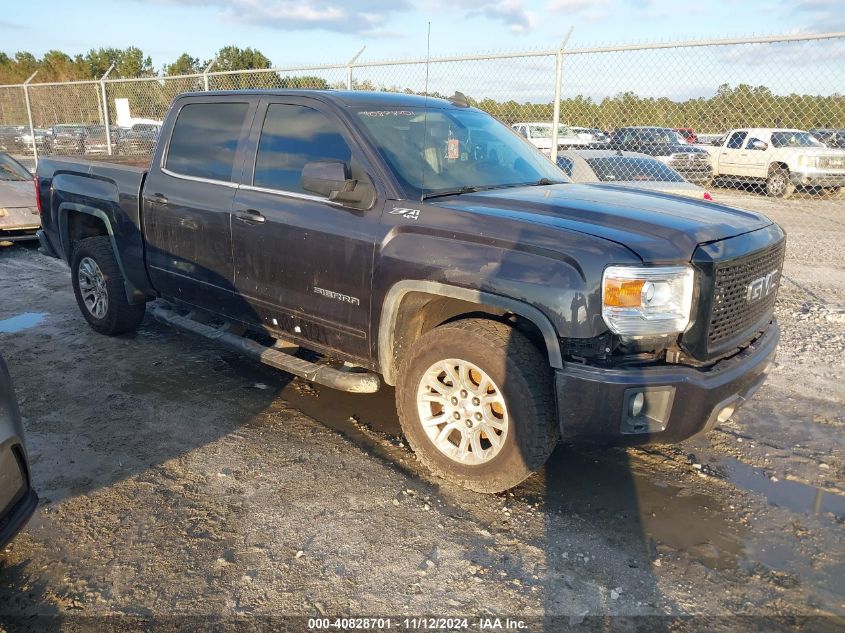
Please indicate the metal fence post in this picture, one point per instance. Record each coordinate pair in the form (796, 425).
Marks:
(206, 71)
(29, 115)
(349, 68)
(556, 107)
(106, 108)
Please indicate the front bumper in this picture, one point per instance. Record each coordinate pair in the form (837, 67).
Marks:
(594, 403)
(818, 178)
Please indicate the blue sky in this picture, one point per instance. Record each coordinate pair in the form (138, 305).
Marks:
(293, 32)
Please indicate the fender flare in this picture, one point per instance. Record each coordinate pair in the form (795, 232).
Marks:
(393, 299)
(133, 294)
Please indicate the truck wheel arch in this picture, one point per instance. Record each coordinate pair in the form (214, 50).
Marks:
(66, 211)
(389, 345)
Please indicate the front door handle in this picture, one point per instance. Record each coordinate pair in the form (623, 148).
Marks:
(158, 198)
(250, 215)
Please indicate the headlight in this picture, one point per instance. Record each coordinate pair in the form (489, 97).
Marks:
(643, 301)
(808, 161)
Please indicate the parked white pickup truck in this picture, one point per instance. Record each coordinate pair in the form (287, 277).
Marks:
(781, 158)
(540, 135)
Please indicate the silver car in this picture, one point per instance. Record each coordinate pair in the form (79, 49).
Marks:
(629, 169)
(17, 498)
(19, 218)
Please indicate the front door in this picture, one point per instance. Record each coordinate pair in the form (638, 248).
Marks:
(304, 264)
(732, 156)
(188, 201)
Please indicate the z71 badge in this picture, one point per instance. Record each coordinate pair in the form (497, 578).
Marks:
(408, 214)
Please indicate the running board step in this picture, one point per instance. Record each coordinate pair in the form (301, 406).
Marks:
(355, 382)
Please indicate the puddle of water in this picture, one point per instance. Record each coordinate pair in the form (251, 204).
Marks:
(21, 322)
(792, 495)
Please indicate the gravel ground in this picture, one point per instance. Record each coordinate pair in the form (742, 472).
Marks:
(180, 481)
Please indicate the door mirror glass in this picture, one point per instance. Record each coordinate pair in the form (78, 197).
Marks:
(324, 177)
(759, 145)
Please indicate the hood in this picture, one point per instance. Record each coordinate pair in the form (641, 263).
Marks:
(809, 151)
(657, 227)
(686, 189)
(663, 149)
(17, 193)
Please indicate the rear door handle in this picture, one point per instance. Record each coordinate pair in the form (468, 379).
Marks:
(158, 198)
(250, 215)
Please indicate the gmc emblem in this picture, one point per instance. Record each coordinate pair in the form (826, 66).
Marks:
(762, 287)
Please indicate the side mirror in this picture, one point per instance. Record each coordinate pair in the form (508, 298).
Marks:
(759, 145)
(332, 180)
(325, 177)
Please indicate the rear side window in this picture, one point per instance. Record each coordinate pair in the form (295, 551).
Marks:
(205, 140)
(293, 135)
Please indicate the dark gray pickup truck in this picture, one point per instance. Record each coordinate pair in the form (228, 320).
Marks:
(421, 240)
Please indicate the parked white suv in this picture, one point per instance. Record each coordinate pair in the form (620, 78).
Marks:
(782, 158)
(540, 135)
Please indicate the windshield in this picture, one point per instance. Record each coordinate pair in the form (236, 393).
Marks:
(657, 136)
(622, 168)
(794, 139)
(545, 131)
(433, 151)
(68, 129)
(10, 169)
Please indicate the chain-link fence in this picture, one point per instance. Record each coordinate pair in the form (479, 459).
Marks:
(639, 114)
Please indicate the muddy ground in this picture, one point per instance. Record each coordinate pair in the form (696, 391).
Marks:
(178, 480)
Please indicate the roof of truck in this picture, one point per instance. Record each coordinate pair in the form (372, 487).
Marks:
(348, 98)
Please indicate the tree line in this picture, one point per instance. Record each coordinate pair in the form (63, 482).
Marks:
(729, 106)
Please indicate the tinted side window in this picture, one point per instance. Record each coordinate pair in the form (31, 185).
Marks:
(205, 140)
(293, 135)
(735, 142)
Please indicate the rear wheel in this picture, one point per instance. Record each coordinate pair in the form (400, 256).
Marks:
(476, 404)
(779, 184)
(99, 288)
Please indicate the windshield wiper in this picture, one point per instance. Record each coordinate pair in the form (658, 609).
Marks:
(449, 192)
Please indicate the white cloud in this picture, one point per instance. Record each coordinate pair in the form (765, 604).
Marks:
(591, 10)
(362, 16)
(512, 13)
(821, 15)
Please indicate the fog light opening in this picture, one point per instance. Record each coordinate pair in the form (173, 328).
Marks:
(726, 413)
(637, 403)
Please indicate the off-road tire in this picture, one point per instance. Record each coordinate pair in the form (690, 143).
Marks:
(778, 183)
(120, 315)
(523, 376)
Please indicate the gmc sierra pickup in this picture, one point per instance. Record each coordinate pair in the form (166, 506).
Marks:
(422, 240)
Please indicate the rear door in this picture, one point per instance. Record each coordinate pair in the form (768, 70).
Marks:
(187, 201)
(303, 264)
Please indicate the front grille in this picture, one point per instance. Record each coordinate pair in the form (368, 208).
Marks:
(744, 293)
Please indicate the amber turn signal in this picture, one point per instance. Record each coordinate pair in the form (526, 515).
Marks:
(623, 293)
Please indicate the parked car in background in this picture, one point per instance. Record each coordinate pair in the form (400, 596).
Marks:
(17, 497)
(629, 169)
(540, 135)
(19, 219)
(42, 140)
(830, 137)
(781, 159)
(688, 133)
(95, 141)
(591, 134)
(140, 139)
(692, 162)
(67, 138)
(10, 137)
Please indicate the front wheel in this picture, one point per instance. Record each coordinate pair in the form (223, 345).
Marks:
(99, 288)
(476, 404)
(779, 184)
